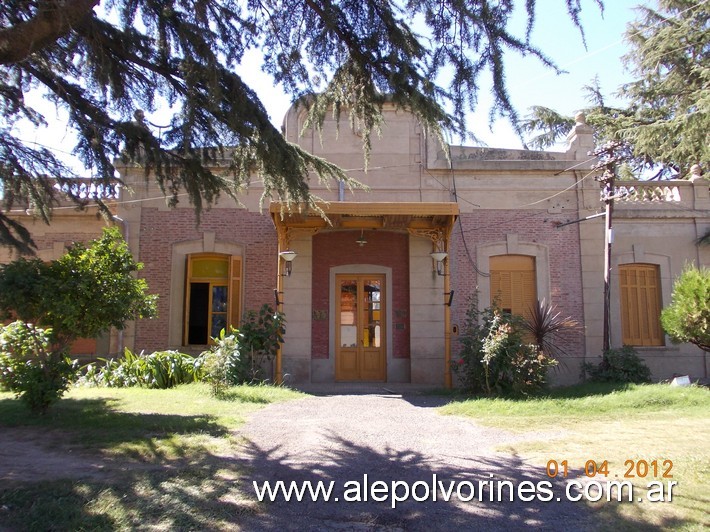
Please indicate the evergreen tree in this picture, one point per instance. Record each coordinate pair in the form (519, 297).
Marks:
(102, 61)
(687, 318)
(666, 125)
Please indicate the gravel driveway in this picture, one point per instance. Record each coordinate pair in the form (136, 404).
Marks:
(393, 437)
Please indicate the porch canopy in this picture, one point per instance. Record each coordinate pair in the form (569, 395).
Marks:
(432, 220)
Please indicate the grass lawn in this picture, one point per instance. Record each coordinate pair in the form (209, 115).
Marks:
(627, 423)
(162, 455)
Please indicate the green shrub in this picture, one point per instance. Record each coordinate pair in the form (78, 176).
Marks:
(618, 365)
(29, 369)
(222, 364)
(687, 318)
(260, 337)
(113, 373)
(494, 359)
(88, 290)
(161, 369)
(170, 368)
(239, 357)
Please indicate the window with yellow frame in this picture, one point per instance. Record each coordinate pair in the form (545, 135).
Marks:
(212, 296)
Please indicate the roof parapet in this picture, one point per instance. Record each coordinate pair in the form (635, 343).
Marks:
(580, 140)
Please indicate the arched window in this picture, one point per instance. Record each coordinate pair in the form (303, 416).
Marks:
(212, 296)
(513, 283)
(640, 295)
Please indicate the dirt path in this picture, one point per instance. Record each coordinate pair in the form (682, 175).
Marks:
(388, 437)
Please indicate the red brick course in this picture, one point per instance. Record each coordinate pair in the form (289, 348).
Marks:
(160, 229)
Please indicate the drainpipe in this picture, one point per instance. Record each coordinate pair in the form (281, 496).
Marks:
(124, 230)
(282, 245)
(447, 322)
(278, 362)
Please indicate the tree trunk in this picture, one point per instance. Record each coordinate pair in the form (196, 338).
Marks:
(53, 20)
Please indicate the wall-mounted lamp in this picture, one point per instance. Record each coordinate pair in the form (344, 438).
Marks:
(361, 241)
(439, 257)
(288, 257)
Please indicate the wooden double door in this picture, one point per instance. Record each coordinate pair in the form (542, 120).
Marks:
(360, 353)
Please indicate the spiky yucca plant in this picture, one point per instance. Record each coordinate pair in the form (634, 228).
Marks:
(545, 324)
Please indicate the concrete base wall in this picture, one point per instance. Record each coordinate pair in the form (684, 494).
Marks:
(427, 316)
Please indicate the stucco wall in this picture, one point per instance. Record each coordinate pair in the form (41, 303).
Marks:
(659, 226)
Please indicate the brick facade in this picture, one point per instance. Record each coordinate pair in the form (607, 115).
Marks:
(383, 248)
(483, 227)
(160, 229)
(509, 202)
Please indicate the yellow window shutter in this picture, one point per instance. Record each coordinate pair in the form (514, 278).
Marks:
(186, 309)
(501, 293)
(640, 300)
(529, 292)
(625, 301)
(235, 291)
(505, 292)
(514, 283)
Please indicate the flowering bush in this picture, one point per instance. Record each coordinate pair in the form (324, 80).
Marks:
(494, 359)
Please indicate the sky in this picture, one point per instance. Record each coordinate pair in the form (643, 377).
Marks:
(529, 82)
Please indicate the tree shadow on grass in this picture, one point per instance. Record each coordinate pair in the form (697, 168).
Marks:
(86, 465)
(96, 423)
(214, 492)
(202, 494)
(207, 490)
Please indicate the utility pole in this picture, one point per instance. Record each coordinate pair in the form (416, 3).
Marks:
(608, 158)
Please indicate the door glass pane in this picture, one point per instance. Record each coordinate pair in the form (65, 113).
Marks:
(219, 310)
(373, 326)
(219, 322)
(219, 299)
(348, 313)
